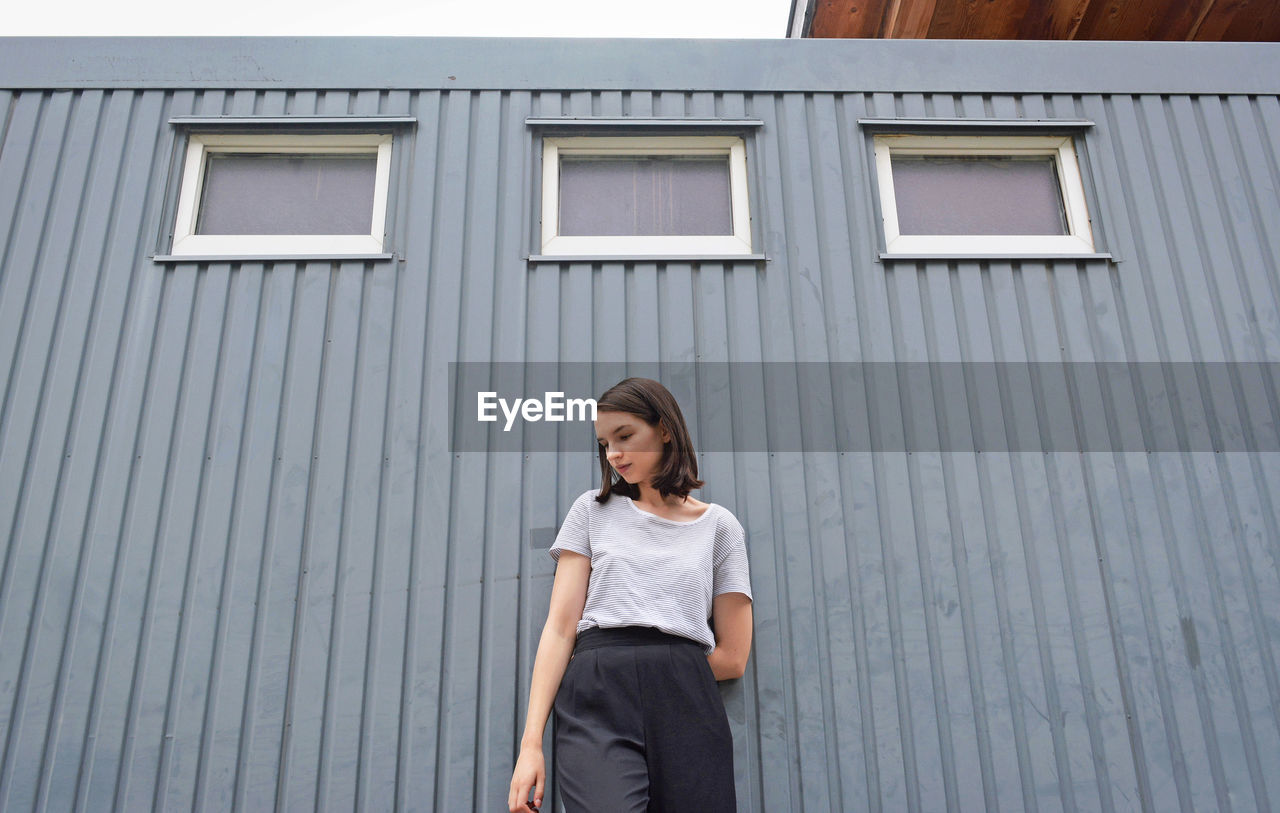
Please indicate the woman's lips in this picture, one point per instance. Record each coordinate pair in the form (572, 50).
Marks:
(623, 468)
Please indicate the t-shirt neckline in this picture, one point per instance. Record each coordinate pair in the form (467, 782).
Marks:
(652, 515)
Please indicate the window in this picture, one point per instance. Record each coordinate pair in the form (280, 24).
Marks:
(271, 194)
(645, 196)
(981, 195)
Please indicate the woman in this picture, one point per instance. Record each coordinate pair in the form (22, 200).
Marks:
(651, 605)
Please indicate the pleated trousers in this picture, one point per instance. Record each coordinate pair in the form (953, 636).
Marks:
(640, 727)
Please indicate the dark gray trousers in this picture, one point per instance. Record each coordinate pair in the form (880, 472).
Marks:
(640, 727)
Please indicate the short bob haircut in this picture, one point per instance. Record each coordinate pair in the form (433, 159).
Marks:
(653, 403)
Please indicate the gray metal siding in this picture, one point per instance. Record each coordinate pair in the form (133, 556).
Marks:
(243, 568)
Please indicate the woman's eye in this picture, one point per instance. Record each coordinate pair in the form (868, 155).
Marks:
(624, 437)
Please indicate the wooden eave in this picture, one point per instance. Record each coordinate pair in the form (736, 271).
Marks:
(1204, 20)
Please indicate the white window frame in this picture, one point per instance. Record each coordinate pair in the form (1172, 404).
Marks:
(1077, 240)
(200, 145)
(554, 243)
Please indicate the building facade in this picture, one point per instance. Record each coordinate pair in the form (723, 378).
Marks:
(257, 554)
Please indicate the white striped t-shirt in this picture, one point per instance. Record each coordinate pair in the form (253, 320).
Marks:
(650, 571)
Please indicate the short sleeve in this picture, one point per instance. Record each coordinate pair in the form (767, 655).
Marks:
(732, 574)
(573, 535)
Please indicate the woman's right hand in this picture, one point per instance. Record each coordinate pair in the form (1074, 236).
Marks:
(530, 772)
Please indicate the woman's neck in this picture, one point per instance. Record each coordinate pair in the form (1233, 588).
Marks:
(650, 496)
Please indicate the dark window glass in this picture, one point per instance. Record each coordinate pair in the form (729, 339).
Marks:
(645, 195)
(252, 193)
(978, 194)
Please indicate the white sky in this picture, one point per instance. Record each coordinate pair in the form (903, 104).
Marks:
(423, 18)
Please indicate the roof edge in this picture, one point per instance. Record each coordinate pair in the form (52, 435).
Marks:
(483, 63)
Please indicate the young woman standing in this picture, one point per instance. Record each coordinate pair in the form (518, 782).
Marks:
(651, 605)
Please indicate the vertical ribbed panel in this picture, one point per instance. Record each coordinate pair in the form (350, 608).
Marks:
(242, 568)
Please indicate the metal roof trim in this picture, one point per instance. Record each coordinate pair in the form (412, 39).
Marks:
(770, 65)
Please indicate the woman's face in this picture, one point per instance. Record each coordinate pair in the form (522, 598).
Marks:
(632, 446)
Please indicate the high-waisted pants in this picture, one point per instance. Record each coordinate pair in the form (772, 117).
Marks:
(640, 726)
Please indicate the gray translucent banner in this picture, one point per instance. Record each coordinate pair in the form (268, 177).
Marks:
(885, 406)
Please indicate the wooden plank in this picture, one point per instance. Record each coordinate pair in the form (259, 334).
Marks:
(1240, 21)
(1200, 18)
(1001, 19)
(1176, 21)
(911, 19)
(845, 19)
(1139, 20)
(1053, 19)
(947, 17)
(992, 19)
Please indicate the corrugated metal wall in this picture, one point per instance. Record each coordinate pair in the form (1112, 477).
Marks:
(242, 567)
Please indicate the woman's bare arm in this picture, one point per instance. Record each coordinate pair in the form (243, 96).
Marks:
(731, 622)
(568, 597)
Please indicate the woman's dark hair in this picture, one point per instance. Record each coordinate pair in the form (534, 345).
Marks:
(653, 403)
